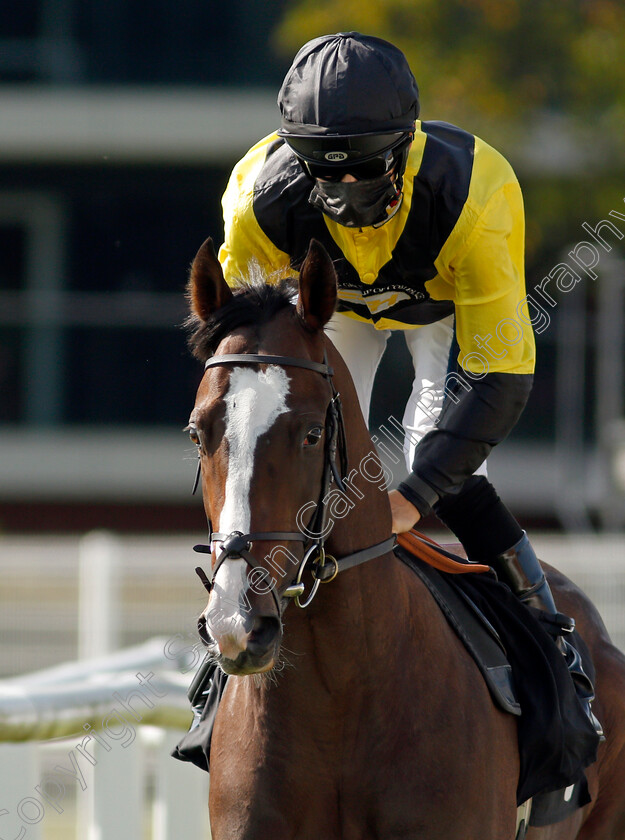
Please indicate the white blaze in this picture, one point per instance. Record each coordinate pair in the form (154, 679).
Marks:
(253, 402)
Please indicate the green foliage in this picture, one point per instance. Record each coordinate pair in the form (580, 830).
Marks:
(481, 62)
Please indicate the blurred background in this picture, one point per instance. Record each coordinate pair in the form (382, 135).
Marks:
(119, 124)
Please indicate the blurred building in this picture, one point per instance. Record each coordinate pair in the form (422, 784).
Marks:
(117, 134)
(119, 124)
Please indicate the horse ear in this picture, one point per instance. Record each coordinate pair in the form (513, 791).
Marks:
(207, 289)
(317, 287)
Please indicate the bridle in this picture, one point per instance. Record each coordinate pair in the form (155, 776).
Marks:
(323, 567)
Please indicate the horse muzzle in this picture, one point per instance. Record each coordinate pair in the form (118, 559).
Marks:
(243, 643)
(261, 649)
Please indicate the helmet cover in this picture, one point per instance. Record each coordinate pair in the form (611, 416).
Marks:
(348, 84)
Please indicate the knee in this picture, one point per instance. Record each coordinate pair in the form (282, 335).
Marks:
(476, 495)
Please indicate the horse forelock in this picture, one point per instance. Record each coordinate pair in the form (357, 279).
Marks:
(255, 303)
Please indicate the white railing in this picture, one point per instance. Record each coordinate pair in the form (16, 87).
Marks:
(85, 746)
(116, 779)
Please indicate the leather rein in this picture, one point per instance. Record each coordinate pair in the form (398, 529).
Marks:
(323, 567)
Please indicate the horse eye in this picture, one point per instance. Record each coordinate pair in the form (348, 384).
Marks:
(314, 436)
(193, 434)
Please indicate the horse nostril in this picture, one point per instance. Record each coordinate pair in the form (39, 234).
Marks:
(264, 633)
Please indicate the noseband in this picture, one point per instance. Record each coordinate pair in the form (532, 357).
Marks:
(324, 568)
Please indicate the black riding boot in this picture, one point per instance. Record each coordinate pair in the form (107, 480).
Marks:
(521, 570)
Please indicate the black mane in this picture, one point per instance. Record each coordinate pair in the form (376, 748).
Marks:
(254, 303)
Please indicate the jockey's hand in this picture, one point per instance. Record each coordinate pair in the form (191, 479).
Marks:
(405, 514)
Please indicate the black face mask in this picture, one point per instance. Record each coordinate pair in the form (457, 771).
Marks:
(357, 203)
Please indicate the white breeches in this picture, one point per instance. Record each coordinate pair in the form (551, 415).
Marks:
(362, 347)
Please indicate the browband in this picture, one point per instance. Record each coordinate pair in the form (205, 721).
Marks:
(258, 359)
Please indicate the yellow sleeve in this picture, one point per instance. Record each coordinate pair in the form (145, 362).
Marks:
(492, 319)
(245, 243)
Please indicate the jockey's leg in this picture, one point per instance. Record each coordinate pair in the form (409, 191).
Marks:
(520, 568)
(362, 347)
(430, 347)
(489, 532)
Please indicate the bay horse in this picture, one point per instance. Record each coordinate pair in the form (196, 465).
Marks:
(362, 715)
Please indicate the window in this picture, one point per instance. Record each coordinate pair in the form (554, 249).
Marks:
(92, 302)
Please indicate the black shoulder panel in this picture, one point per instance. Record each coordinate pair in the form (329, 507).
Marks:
(440, 190)
(445, 174)
(282, 210)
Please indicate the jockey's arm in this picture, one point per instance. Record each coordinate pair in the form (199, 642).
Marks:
(497, 352)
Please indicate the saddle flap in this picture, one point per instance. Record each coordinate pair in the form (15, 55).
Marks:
(475, 631)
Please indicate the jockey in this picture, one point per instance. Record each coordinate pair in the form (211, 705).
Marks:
(425, 225)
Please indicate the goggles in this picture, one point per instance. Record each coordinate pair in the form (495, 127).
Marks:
(365, 170)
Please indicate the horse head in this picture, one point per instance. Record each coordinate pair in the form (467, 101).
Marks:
(269, 441)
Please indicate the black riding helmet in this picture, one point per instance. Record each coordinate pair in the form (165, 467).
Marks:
(348, 99)
(349, 93)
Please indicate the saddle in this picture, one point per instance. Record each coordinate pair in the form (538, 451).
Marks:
(525, 673)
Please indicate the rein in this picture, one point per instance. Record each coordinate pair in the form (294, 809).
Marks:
(324, 568)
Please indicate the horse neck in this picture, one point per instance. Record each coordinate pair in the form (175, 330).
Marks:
(373, 593)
